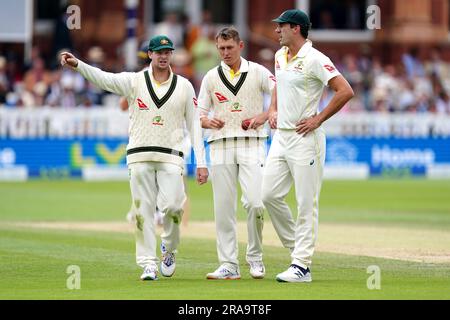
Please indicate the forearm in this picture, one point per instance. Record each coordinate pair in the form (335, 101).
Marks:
(337, 103)
(195, 131)
(116, 83)
(203, 116)
(273, 102)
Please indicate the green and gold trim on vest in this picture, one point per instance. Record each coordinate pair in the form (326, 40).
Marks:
(160, 102)
(228, 84)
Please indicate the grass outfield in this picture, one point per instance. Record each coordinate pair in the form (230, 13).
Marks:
(412, 203)
(34, 267)
(33, 261)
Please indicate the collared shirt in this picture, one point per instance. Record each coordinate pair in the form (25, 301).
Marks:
(234, 97)
(300, 83)
(230, 72)
(156, 82)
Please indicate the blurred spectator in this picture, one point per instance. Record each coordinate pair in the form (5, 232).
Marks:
(36, 97)
(96, 58)
(35, 54)
(36, 74)
(413, 65)
(266, 57)
(204, 56)
(443, 103)
(67, 97)
(326, 20)
(181, 63)
(352, 72)
(194, 32)
(143, 59)
(86, 102)
(385, 87)
(4, 82)
(172, 28)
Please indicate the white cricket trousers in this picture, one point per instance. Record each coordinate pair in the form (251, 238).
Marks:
(295, 159)
(232, 161)
(156, 184)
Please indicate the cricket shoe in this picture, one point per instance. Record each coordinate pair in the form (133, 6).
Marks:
(295, 273)
(224, 272)
(150, 273)
(167, 262)
(257, 270)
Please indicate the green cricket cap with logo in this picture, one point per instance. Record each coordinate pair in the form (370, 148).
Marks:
(160, 42)
(294, 16)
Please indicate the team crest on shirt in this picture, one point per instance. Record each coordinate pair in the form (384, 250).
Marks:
(195, 102)
(158, 121)
(221, 97)
(141, 105)
(273, 79)
(236, 107)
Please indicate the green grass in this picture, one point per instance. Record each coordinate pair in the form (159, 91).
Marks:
(34, 265)
(411, 203)
(33, 262)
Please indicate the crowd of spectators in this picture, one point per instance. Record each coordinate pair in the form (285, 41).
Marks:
(414, 85)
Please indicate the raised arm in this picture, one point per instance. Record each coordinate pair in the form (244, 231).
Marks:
(118, 83)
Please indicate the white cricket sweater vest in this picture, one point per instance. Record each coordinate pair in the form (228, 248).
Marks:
(157, 122)
(235, 102)
(158, 114)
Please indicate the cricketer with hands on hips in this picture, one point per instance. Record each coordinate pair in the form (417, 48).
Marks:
(297, 152)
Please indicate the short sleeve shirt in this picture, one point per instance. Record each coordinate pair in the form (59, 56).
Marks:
(300, 83)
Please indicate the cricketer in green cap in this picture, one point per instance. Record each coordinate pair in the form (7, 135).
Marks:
(298, 17)
(160, 42)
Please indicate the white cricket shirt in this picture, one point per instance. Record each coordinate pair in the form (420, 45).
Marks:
(300, 83)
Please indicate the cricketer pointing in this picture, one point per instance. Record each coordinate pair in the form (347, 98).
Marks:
(160, 103)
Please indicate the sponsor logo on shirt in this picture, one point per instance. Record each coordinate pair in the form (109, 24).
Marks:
(158, 121)
(142, 105)
(236, 107)
(299, 66)
(221, 97)
(331, 69)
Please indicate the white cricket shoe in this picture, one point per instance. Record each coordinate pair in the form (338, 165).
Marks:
(150, 273)
(224, 272)
(257, 270)
(295, 273)
(167, 262)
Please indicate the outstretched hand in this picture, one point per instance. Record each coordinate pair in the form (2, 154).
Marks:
(68, 59)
